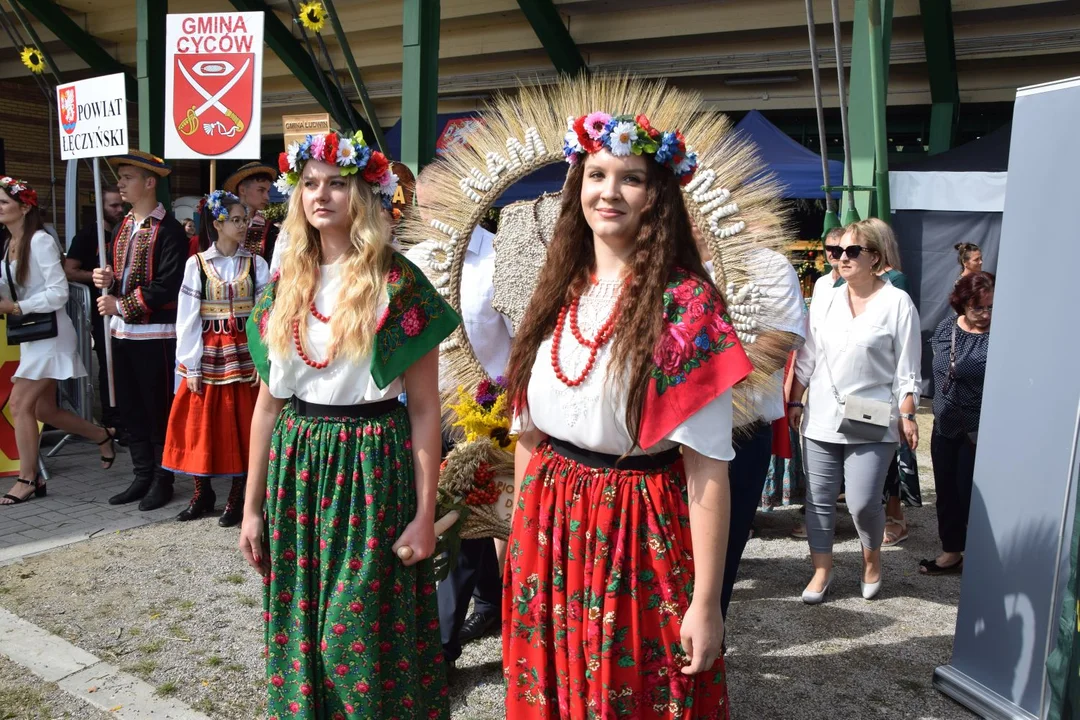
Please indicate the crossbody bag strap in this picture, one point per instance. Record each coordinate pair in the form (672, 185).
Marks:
(7, 270)
(952, 350)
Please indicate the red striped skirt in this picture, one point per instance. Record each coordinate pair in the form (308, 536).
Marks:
(599, 574)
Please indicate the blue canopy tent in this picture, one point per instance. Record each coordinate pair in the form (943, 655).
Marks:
(455, 127)
(798, 168)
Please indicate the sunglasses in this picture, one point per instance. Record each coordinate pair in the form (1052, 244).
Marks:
(853, 251)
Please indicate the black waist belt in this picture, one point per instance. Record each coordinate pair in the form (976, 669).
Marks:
(361, 411)
(603, 461)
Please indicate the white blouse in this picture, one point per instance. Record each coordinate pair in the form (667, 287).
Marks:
(343, 381)
(189, 327)
(592, 414)
(875, 355)
(46, 288)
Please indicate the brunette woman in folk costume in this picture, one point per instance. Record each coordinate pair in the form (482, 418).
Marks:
(32, 281)
(622, 389)
(347, 473)
(211, 414)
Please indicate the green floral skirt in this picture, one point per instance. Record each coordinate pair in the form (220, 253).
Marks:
(351, 632)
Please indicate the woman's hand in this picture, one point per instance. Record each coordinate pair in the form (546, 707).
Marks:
(909, 431)
(6, 307)
(419, 536)
(702, 636)
(794, 418)
(251, 543)
(194, 385)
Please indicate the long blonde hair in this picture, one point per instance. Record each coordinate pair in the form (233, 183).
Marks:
(363, 275)
(889, 247)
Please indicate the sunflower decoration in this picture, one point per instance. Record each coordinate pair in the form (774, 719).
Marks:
(313, 15)
(33, 60)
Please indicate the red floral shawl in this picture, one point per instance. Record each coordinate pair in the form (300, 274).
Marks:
(698, 357)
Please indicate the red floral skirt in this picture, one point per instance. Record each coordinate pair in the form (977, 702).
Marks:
(599, 574)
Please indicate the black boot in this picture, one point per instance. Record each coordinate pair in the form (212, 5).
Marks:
(201, 502)
(234, 508)
(135, 491)
(160, 492)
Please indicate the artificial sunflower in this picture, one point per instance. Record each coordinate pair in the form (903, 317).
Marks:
(313, 15)
(31, 57)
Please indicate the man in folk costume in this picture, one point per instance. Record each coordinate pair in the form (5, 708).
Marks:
(251, 183)
(148, 254)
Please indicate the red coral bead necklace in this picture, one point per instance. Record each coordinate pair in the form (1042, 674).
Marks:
(603, 335)
(325, 319)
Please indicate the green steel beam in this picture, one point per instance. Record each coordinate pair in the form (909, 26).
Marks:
(82, 43)
(420, 82)
(150, 57)
(879, 79)
(358, 81)
(941, 64)
(553, 35)
(861, 98)
(288, 48)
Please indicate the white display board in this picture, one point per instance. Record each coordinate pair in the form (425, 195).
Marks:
(92, 117)
(1016, 555)
(213, 85)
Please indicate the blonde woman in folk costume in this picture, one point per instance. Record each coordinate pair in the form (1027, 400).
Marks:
(347, 473)
(209, 424)
(614, 572)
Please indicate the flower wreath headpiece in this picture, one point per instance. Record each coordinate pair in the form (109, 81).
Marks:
(623, 135)
(351, 154)
(19, 189)
(216, 202)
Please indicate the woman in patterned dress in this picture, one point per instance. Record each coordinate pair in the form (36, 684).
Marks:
(210, 419)
(616, 554)
(347, 473)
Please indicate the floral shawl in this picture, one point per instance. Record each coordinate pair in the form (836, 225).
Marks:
(416, 320)
(697, 359)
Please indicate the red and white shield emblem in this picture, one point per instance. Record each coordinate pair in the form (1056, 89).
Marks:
(69, 114)
(212, 100)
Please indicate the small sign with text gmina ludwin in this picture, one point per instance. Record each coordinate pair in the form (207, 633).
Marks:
(213, 85)
(93, 117)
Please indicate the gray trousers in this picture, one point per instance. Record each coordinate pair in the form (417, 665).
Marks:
(860, 469)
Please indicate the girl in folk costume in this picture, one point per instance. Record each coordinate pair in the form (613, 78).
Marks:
(211, 414)
(348, 474)
(622, 386)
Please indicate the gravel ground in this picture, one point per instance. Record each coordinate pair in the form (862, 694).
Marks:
(176, 605)
(24, 697)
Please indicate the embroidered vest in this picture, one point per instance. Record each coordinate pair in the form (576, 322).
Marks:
(226, 304)
(255, 240)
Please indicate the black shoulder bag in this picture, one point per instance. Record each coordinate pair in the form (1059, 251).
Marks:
(31, 326)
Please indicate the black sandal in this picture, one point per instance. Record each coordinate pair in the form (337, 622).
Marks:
(39, 491)
(930, 567)
(109, 438)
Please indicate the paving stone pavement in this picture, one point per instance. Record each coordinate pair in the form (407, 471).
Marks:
(77, 506)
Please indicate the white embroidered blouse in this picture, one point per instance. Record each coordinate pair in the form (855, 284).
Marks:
(592, 414)
(343, 381)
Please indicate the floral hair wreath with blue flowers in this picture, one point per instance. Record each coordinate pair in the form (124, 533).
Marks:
(350, 153)
(623, 135)
(215, 201)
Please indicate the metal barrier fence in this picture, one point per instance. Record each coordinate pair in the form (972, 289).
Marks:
(77, 394)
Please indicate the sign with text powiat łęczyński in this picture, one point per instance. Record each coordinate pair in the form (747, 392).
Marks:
(213, 85)
(93, 117)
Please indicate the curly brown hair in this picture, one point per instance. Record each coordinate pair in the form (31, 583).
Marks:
(664, 243)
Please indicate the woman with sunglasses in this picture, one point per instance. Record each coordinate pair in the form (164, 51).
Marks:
(960, 345)
(210, 421)
(862, 351)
